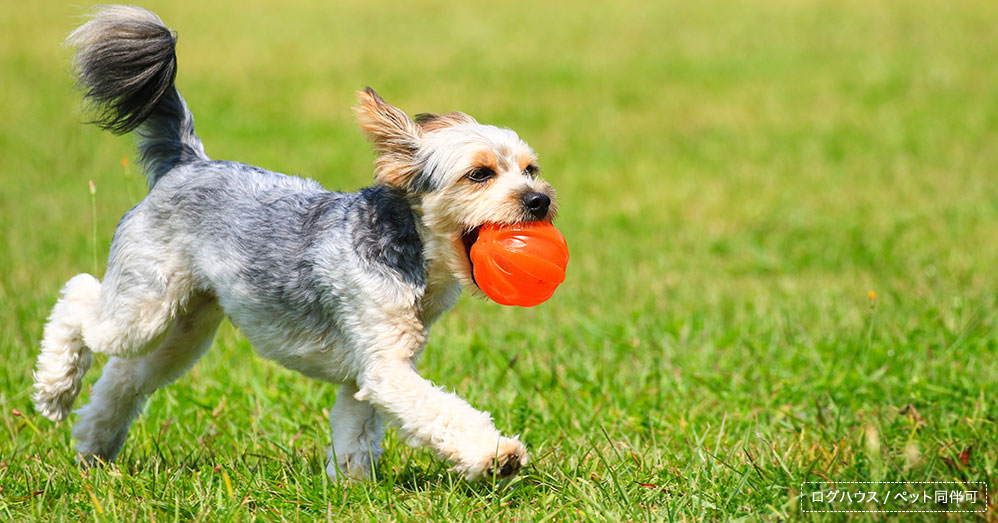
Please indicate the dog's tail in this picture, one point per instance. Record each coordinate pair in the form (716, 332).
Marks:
(125, 63)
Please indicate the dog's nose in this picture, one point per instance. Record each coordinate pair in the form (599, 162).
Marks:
(537, 203)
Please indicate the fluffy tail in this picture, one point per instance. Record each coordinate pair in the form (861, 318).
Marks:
(125, 63)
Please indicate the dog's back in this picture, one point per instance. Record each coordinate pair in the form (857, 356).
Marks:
(268, 246)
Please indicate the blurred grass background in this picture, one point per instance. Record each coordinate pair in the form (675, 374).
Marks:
(735, 178)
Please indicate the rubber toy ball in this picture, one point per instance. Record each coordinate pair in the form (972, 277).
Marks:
(520, 264)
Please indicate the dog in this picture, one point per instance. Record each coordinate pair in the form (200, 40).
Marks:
(341, 287)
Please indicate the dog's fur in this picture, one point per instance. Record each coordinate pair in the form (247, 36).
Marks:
(342, 287)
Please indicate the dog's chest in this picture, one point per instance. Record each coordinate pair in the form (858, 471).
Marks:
(442, 290)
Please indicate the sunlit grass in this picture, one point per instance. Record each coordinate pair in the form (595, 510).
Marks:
(782, 218)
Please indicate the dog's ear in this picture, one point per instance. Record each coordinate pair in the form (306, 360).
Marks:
(431, 122)
(394, 135)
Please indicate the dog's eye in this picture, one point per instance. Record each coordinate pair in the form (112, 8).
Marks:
(480, 174)
(531, 171)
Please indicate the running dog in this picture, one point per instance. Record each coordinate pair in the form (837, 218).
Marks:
(341, 287)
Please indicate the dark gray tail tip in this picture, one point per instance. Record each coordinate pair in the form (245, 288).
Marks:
(125, 63)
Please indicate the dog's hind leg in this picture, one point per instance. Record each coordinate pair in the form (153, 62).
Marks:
(122, 389)
(357, 432)
(125, 315)
(64, 358)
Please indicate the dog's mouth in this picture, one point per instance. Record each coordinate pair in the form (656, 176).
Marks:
(468, 238)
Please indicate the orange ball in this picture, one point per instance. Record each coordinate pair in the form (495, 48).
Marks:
(519, 264)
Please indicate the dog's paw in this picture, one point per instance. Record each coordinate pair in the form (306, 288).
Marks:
(345, 472)
(505, 461)
(355, 467)
(54, 404)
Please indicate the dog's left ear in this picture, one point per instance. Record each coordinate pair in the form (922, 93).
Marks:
(395, 137)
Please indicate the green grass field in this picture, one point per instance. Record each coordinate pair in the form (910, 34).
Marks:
(735, 179)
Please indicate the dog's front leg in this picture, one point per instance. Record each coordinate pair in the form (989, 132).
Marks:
(357, 435)
(428, 416)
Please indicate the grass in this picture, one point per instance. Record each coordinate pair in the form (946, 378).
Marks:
(735, 179)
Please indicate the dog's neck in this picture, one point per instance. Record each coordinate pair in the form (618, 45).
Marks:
(442, 286)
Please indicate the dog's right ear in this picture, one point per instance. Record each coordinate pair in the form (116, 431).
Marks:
(431, 122)
(394, 135)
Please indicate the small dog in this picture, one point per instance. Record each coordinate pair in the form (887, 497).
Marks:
(342, 287)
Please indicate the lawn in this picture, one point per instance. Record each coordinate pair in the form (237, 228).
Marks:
(783, 219)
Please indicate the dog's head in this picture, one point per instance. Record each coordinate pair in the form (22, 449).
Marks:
(464, 175)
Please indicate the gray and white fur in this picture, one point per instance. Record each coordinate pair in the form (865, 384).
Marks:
(342, 287)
